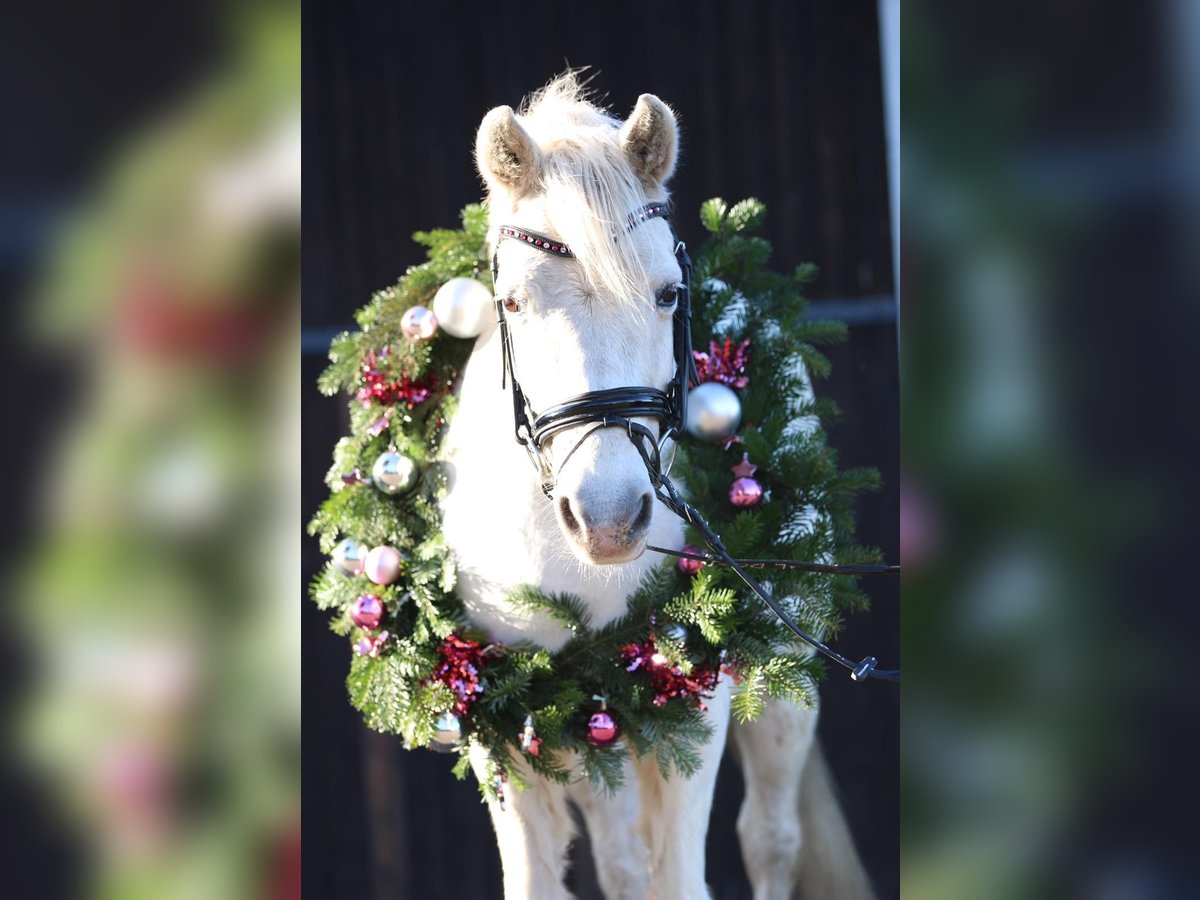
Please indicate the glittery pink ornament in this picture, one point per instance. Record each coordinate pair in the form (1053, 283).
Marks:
(371, 646)
(665, 678)
(383, 565)
(367, 612)
(384, 383)
(745, 492)
(687, 566)
(602, 729)
(418, 323)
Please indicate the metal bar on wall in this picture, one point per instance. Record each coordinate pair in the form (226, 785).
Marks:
(857, 311)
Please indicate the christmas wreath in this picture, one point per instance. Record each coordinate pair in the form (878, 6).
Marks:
(418, 667)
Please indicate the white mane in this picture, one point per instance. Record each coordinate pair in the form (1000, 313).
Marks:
(589, 186)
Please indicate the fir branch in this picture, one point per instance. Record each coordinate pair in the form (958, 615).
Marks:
(566, 608)
(749, 697)
(712, 214)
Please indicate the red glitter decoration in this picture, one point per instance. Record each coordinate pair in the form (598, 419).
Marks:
(165, 321)
(459, 671)
(724, 363)
(666, 680)
(380, 387)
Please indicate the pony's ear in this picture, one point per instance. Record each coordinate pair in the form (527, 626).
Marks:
(650, 137)
(506, 155)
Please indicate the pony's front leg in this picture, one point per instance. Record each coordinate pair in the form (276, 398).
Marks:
(533, 832)
(617, 846)
(791, 825)
(772, 751)
(675, 813)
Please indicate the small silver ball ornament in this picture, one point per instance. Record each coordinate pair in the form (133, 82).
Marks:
(463, 307)
(713, 412)
(393, 473)
(676, 632)
(349, 557)
(447, 732)
(418, 324)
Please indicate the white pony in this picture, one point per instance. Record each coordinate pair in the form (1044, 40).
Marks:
(565, 168)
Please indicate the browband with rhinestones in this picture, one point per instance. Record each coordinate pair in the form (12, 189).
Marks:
(657, 210)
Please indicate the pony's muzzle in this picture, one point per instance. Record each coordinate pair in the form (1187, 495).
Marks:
(606, 533)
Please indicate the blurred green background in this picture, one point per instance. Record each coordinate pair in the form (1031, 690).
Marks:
(151, 250)
(1048, 311)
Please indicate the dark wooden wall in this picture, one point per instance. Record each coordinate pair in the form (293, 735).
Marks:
(776, 100)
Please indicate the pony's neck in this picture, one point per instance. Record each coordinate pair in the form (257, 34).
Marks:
(501, 528)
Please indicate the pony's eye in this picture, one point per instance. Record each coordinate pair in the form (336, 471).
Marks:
(667, 296)
(512, 304)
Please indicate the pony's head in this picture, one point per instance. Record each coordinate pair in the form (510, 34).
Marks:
(563, 167)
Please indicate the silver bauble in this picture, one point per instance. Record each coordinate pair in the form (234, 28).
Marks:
(676, 632)
(349, 556)
(418, 324)
(393, 472)
(463, 307)
(713, 411)
(447, 732)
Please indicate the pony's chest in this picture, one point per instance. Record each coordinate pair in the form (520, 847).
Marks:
(503, 537)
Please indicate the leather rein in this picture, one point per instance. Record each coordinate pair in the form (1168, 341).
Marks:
(618, 407)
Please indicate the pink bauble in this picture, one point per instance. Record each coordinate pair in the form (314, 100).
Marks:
(383, 565)
(602, 729)
(367, 612)
(418, 323)
(687, 566)
(743, 492)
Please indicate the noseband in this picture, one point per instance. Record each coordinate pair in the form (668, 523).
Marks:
(618, 407)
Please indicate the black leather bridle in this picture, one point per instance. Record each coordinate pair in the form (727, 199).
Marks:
(615, 407)
(618, 407)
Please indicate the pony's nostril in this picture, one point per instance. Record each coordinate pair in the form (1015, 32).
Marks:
(568, 516)
(642, 522)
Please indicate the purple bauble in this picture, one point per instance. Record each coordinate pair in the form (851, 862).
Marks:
(383, 565)
(602, 729)
(367, 612)
(743, 492)
(687, 566)
(418, 323)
